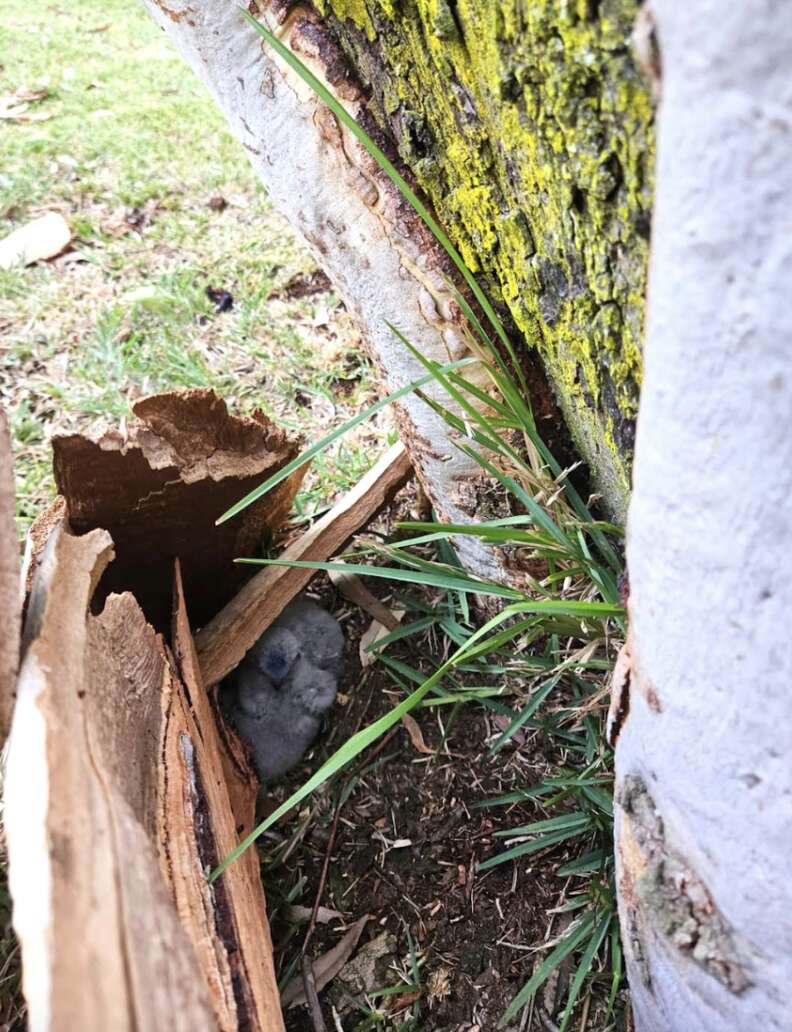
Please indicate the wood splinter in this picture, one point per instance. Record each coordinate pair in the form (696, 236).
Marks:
(223, 642)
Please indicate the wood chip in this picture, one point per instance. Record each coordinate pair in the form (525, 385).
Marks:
(42, 238)
(224, 641)
(10, 593)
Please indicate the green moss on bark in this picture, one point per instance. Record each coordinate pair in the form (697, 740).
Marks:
(530, 127)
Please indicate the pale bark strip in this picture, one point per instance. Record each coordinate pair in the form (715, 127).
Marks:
(10, 590)
(373, 247)
(703, 759)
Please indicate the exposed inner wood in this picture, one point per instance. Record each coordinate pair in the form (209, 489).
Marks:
(227, 920)
(116, 810)
(101, 943)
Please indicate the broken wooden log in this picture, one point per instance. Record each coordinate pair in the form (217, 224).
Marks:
(115, 809)
(158, 485)
(10, 593)
(124, 788)
(101, 945)
(223, 642)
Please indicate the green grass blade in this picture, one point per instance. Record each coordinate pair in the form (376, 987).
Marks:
(461, 583)
(528, 848)
(575, 935)
(579, 819)
(525, 714)
(584, 865)
(584, 969)
(617, 967)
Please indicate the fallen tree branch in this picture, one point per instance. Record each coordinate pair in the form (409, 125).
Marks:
(224, 640)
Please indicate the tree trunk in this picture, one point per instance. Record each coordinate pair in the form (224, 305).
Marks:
(529, 132)
(529, 127)
(703, 759)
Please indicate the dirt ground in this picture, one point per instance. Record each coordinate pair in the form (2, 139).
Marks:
(446, 948)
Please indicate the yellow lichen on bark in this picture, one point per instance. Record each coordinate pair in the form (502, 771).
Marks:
(530, 127)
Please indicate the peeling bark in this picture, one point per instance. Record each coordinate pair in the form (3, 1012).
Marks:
(704, 782)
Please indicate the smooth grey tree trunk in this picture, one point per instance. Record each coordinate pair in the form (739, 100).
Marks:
(375, 249)
(704, 758)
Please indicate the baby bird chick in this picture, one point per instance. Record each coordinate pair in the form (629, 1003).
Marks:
(285, 684)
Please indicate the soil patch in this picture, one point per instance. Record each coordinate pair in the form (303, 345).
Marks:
(449, 944)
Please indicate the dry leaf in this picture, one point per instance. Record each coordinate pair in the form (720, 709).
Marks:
(30, 96)
(370, 636)
(416, 735)
(501, 722)
(352, 587)
(42, 238)
(326, 967)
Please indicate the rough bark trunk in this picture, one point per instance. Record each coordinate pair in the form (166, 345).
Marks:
(704, 779)
(529, 127)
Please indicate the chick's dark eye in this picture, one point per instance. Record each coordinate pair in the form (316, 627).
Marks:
(277, 663)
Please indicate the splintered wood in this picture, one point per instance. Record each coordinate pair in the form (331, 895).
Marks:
(101, 943)
(116, 809)
(158, 486)
(226, 639)
(199, 829)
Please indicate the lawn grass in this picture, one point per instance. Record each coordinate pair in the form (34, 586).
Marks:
(163, 204)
